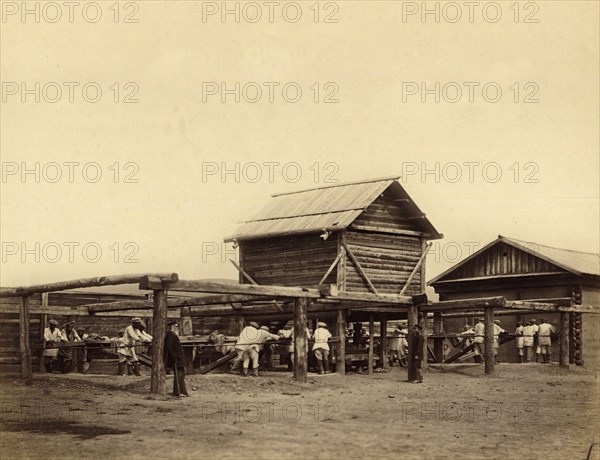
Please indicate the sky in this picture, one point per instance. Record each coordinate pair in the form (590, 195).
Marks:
(135, 136)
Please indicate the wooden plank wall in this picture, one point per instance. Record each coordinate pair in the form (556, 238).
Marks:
(386, 213)
(387, 259)
(502, 259)
(299, 260)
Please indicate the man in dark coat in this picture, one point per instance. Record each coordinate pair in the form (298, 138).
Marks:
(415, 351)
(173, 355)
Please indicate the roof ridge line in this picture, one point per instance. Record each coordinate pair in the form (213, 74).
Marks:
(343, 184)
(546, 246)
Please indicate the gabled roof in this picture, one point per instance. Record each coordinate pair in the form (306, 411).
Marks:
(576, 262)
(333, 207)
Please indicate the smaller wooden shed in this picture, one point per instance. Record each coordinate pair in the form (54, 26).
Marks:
(525, 270)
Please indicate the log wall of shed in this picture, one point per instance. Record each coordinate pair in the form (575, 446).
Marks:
(298, 260)
(386, 258)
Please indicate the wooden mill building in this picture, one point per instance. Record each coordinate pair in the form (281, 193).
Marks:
(521, 270)
(366, 236)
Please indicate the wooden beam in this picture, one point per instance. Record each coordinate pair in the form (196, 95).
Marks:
(383, 361)
(340, 360)
(83, 283)
(371, 344)
(341, 253)
(24, 346)
(564, 340)
(489, 340)
(224, 359)
(300, 340)
(414, 271)
(243, 272)
(158, 384)
(395, 231)
(438, 343)
(464, 304)
(359, 269)
(412, 319)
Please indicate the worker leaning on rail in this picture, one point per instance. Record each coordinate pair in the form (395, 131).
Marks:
(69, 334)
(520, 341)
(52, 337)
(249, 344)
(131, 335)
(544, 340)
(478, 340)
(321, 347)
(497, 331)
(536, 341)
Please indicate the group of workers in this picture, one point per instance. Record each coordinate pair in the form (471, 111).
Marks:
(530, 337)
(60, 359)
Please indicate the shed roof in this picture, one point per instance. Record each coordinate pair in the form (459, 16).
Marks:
(332, 207)
(576, 262)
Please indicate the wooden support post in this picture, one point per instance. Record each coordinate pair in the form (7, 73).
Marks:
(300, 340)
(158, 383)
(340, 366)
(412, 320)
(424, 353)
(43, 325)
(564, 339)
(438, 343)
(186, 329)
(25, 349)
(371, 343)
(489, 340)
(383, 361)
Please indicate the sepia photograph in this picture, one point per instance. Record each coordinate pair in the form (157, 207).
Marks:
(359, 229)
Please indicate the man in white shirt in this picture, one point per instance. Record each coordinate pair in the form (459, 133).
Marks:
(528, 331)
(52, 337)
(520, 341)
(131, 335)
(497, 331)
(249, 344)
(536, 342)
(479, 331)
(544, 331)
(321, 347)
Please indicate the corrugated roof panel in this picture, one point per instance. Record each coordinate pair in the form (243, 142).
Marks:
(582, 262)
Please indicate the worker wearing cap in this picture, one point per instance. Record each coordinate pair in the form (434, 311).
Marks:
(288, 333)
(497, 331)
(528, 331)
(520, 341)
(131, 335)
(478, 340)
(173, 356)
(321, 347)
(545, 329)
(394, 346)
(247, 348)
(52, 337)
(69, 334)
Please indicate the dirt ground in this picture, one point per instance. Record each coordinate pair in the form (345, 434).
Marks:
(531, 411)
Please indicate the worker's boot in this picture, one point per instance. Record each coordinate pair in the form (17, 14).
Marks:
(326, 366)
(122, 368)
(320, 363)
(537, 358)
(254, 372)
(136, 369)
(245, 372)
(521, 359)
(129, 369)
(547, 358)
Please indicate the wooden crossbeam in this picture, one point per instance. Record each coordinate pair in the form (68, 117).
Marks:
(359, 268)
(243, 272)
(333, 265)
(414, 271)
(464, 304)
(84, 283)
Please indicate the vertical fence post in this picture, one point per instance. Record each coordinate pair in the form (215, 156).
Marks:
(300, 340)
(24, 347)
(158, 383)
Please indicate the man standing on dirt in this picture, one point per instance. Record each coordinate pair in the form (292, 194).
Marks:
(415, 352)
(536, 342)
(173, 355)
(69, 334)
(545, 342)
(247, 348)
(321, 347)
(520, 341)
(497, 331)
(528, 331)
(131, 335)
(52, 337)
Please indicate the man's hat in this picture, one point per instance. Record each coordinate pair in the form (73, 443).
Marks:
(53, 322)
(265, 328)
(172, 323)
(496, 321)
(69, 322)
(136, 320)
(534, 321)
(544, 320)
(321, 324)
(416, 325)
(254, 324)
(480, 320)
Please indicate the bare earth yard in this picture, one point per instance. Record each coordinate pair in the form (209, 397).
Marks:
(524, 411)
